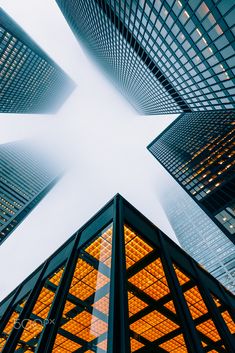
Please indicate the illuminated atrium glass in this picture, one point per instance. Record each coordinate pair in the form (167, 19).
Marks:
(25, 178)
(197, 149)
(166, 56)
(30, 81)
(118, 285)
(86, 312)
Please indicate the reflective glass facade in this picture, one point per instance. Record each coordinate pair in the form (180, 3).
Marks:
(30, 82)
(197, 149)
(199, 236)
(25, 178)
(166, 56)
(118, 285)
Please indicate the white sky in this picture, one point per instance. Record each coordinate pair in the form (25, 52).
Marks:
(96, 132)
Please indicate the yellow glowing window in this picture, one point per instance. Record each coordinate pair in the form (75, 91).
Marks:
(135, 247)
(101, 248)
(176, 344)
(153, 326)
(208, 328)
(73, 327)
(2, 342)
(32, 330)
(152, 334)
(87, 335)
(151, 280)
(170, 306)
(140, 326)
(181, 276)
(86, 281)
(135, 345)
(135, 304)
(55, 279)
(229, 321)
(68, 307)
(195, 302)
(43, 303)
(63, 344)
(11, 323)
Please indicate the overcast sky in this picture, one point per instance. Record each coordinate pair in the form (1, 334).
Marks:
(96, 132)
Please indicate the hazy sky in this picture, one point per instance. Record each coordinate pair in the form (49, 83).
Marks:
(96, 132)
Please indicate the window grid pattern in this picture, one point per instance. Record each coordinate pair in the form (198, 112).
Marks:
(200, 237)
(29, 82)
(118, 58)
(196, 56)
(25, 175)
(84, 322)
(202, 160)
(189, 47)
(153, 320)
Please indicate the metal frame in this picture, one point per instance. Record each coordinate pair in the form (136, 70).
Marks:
(119, 212)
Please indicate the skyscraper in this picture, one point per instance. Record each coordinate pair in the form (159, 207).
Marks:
(25, 178)
(166, 56)
(197, 149)
(30, 81)
(199, 236)
(118, 285)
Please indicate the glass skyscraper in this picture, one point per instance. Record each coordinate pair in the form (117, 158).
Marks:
(30, 81)
(197, 149)
(166, 56)
(199, 236)
(119, 285)
(25, 178)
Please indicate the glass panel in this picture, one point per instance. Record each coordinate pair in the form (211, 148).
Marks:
(84, 323)
(204, 324)
(225, 314)
(11, 323)
(152, 316)
(34, 325)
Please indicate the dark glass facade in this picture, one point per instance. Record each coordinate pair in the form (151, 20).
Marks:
(166, 56)
(197, 149)
(118, 285)
(30, 82)
(25, 178)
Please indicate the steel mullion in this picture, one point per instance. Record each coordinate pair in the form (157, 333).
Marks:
(9, 310)
(191, 337)
(118, 333)
(16, 333)
(46, 341)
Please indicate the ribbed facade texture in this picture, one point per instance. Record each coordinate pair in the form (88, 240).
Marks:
(199, 236)
(118, 285)
(197, 149)
(25, 178)
(30, 82)
(166, 56)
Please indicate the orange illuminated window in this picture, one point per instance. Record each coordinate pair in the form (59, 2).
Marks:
(147, 285)
(85, 315)
(135, 247)
(225, 314)
(199, 312)
(175, 345)
(34, 325)
(229, 321)
(11, 323)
